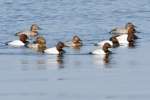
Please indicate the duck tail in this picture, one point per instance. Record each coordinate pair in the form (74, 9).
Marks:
(6, 43)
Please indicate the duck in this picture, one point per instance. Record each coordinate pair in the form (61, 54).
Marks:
(32, 33)
(123, 30)
(58, 50)
(127, 38)
(102, 51)
(76, 42)
(39, 44)
(19, 43)
(113, 41)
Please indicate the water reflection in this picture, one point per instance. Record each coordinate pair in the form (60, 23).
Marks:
(27, 65)
(106, 59)
(60, 61)
(43, 62)
(131, 45)
(102, 59)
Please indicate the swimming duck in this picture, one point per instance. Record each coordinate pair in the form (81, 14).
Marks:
(56, 50)
(127, 38)
(39, 44)
(76, 42)
(122, 30)
(32, 33)
(102, 51)
(19, 43)
(112, 41)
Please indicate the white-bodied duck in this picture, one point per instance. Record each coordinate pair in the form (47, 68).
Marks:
(19, 43)
(102, 51)
(127, 38)
(56, 50)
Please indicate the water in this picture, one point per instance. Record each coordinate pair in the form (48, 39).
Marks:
(25, 74)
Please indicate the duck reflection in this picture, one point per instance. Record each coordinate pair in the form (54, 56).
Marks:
(60, 61)
(106, 59)
(42, 63)
(102, 60)
(27, 64)
(132, 44)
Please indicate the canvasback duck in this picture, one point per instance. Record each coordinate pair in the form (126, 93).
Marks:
(122, 30)
(127, 38)
(19, 43)
(32, 33)
(102, 51)
(39, 44)
(112, 41)
(76, 42)
(56, 50)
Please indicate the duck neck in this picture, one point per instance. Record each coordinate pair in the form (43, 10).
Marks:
(131, 34)
(59, 49)
(106, 50)
(130, 37)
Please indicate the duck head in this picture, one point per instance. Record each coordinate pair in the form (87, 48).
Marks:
(41, 43)
(130, 24)
(76, 41)
(115, 41)
(40, 40)
(23, 38)
(60, 45)
(34, 29)
(106, 48)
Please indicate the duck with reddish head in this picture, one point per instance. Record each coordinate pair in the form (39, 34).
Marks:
(103, 51)
(123, 30)
(58, 49)
(19, 43)
(130, 37)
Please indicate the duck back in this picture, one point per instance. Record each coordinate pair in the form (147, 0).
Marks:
(16, 43)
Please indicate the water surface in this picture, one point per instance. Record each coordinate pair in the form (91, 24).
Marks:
(26, 74)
